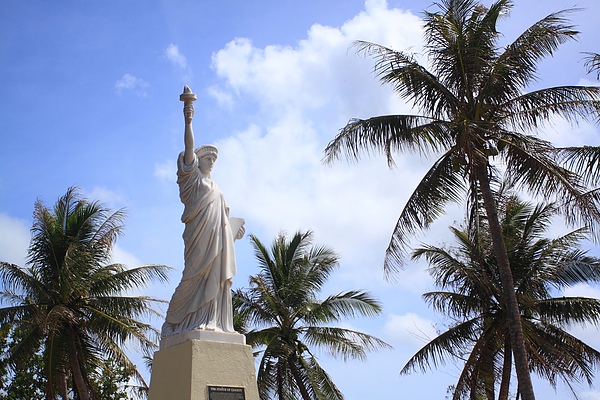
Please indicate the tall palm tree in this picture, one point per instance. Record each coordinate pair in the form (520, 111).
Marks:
(475, 115)
(71, 302)
(592, 63)
(288, 320)
(471, 294)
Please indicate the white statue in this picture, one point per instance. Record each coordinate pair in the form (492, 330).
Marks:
(202, 301)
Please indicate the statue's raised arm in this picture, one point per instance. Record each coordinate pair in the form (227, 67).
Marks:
(188, 99)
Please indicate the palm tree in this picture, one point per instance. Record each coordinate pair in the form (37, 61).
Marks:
(475, 114)
(471, 294)
(288, 319)
(71, 302)
(592, 63)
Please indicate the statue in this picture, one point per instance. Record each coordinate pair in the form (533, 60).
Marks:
(202, 301)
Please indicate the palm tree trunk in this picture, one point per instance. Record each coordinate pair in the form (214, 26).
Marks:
(49, 391)
(488, 377)
(508, 285)
(80, 384)
(280, 384)
(298, 378)
(56, 381)
(506, 370)
(62, 386)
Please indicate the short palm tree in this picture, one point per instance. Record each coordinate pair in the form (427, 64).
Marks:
(476, 115)
(71, 302)
(284, 320)
(471, 294)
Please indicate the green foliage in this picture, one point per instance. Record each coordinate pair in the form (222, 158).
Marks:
(475, 114)
(470, 294)
(69, 304)
(25, 381)
(283, 319)
(113, 382)
(474, 109)
(28, 381)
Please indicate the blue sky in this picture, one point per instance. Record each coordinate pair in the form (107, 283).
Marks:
(91, 98)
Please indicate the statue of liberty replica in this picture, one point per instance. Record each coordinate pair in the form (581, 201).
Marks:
(201, 357)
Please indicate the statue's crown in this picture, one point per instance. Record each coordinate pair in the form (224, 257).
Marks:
(206, 150)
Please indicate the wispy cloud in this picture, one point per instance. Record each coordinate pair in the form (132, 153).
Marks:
(110, 198)
(165, 171)
(174, 56)
(224, 99)
(130, 83)
(14, 239)
(409, 328)
(590, 395)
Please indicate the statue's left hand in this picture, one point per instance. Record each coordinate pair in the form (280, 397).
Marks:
(240, 232)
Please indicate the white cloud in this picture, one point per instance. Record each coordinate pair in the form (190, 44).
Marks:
(588, 333)
(224, 99)
(563, 133)
(165, 171)
(582, 290)
(121, 256)
(409, 329)
(588, 82)
(175, 57)
(110, 198)
(321, 72)
(131, 83)
(590, 395)
(272, 172)
(14, 240)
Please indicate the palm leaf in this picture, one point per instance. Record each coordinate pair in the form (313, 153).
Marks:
(592, 63)
(388, 134)
(516, 67)
(343, 343)
(450, 342)
(410, 80)
(585, 160)
(440, 185)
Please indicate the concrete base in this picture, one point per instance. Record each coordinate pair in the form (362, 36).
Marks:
(213, 336)
(185, 370)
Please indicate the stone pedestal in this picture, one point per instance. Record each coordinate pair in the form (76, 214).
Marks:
(183, 369)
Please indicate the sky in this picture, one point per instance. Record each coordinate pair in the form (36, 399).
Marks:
(90, 98)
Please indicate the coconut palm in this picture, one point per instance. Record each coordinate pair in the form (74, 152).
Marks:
(288, 320)
(71, 302)
(471, 294)
(475, 115)
(592, 63)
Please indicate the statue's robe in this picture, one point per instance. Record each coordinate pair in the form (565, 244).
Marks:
(203, 298)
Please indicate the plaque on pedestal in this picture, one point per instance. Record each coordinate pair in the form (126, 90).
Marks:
(226, 393)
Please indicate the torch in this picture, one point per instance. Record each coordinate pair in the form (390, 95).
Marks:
(188, 99)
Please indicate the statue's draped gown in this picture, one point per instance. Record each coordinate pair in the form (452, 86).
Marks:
(203, 298)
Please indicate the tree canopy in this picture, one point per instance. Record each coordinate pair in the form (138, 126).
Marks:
(70, 304)
(470, 295)
(474, 113)
(285, 321)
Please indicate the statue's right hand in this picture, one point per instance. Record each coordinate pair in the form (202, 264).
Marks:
(188, 112)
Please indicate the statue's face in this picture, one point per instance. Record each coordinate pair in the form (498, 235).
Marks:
(206, 163)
